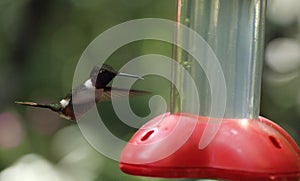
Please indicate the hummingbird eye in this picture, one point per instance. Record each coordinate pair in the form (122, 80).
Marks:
(102, 71)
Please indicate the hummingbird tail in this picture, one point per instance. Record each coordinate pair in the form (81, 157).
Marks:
(33, 104)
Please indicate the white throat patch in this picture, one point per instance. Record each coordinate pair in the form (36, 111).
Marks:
(64, 102)
(88, 84)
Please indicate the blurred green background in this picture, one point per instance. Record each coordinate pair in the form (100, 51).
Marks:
(40, 45)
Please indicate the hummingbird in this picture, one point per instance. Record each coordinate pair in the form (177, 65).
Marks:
(93, 90)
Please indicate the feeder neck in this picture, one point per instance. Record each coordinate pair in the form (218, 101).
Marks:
(235, 32)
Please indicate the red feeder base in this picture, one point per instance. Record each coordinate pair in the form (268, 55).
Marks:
(177, 146)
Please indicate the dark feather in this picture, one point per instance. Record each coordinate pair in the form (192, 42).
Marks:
(101, 76)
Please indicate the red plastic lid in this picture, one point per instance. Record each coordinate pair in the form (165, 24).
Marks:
(242, 149)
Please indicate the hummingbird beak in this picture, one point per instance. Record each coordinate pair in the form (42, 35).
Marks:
(130, 75)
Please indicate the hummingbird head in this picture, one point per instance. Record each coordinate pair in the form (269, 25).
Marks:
(101, 76)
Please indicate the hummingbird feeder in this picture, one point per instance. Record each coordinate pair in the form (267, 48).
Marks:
(243, 145)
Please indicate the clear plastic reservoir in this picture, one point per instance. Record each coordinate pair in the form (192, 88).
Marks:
(234, 29)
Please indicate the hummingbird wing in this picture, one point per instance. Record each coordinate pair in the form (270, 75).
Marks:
(87, 95)
(110, 93)
(84, 95)
(83, 100)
